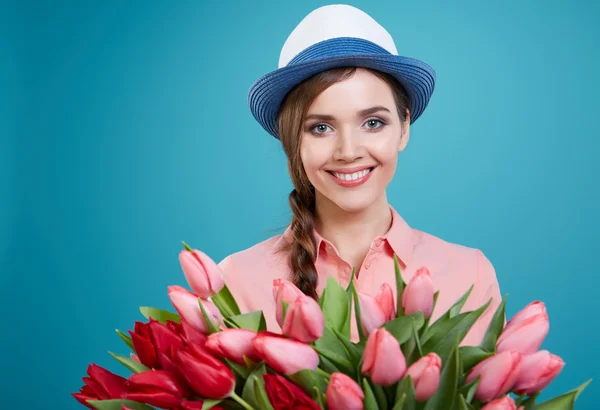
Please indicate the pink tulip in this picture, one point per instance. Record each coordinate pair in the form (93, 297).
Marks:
(533, 309)
(372, 315)
(343, 393)
(525, 336)
(284, 290)
(233, 344)
(383, 360)
(498, 375)
(187, 305)
(202, 273)
(304, 320)
(418, 295)
(537, 371)
(385, 300)
(425, 374)
(285, 355)
(504, 403)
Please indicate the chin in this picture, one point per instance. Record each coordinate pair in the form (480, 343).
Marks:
(353, 203)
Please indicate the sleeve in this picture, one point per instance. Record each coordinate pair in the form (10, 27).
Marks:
(234, 282)
(486, 287)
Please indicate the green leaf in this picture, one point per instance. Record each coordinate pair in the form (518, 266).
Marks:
(456, 308)
(334, 303)
(254, 321)
(211, 327)
(126, 339)
(463, 404)
(115, 404)
(226, 303)
(428, 319)
(406, 388)
(471, 355)
(131, 364)
(355, 351)
(495, 328)
(400, 285)
(400, 328)
(361, 334)
(468, 390)
(187, 247)
(563, 402)
(370, 402)
(159, 314)
(446, 391)
(209, 404)
(529, 403)
(242, 371)
(254, 392)
(400, 402)
(342, 363)
(379, 394)
(442, 340)
(309, 380)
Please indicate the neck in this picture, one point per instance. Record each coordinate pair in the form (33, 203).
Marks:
(352, 232)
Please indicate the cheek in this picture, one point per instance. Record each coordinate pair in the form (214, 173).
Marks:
(314, 156)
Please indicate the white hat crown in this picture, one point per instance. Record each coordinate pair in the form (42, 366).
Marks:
(333, 21)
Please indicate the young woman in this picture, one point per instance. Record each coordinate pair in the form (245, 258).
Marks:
(341, 103)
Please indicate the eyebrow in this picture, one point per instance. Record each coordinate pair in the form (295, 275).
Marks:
(361, 113)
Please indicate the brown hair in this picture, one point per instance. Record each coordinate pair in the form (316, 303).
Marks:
(302, 198)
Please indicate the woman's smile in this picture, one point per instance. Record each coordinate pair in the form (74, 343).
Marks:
(351, 177)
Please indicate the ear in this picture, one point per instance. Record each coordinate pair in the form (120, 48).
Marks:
(405, 135)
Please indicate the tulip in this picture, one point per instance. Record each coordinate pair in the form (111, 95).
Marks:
(537, 371)
(504, 403)
(498, 375)
(152, 340)
(533, 309)
(372, 315)
(525, 336)
(383, 359)
(207, 376)
(233, 344)
(100, 385)
(202, 273)
(187, 305)
(285, 355)
(418, 295)
(190, 335)
(385, 300)
(284, 291)
(343, 393)
(158, 388)
(425, 374)
(304, 320)
(284, 395)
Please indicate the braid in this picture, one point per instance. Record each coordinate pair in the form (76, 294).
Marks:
(303, 253)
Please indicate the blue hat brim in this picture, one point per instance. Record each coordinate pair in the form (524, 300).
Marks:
(268, 92)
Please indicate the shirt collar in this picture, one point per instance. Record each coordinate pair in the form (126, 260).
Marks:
(399, 237)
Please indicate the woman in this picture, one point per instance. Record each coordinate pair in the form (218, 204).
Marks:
(341, 103)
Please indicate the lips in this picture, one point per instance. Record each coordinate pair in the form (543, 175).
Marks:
(351, 177)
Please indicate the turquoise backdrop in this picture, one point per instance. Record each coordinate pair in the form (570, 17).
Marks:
(125, 130)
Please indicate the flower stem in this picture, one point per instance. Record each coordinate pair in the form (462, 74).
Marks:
(241, 401)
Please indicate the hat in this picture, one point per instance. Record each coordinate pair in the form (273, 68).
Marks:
(331, 36)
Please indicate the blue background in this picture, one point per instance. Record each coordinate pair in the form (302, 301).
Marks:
(125, 130)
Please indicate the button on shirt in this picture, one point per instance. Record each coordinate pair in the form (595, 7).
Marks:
(249, 274)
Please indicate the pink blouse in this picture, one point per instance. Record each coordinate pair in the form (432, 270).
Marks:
(249, 274)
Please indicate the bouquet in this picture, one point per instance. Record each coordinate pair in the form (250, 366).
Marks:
(209, 355)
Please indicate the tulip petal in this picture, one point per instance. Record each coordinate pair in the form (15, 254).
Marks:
(285, 355)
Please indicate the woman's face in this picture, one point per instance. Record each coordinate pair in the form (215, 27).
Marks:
(351, 138)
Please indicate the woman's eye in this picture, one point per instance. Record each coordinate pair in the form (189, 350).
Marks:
(374, 124)
(320, 128)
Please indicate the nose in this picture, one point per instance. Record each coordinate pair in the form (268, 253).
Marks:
(348, 146)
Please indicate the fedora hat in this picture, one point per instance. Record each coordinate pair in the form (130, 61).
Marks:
(332, 36)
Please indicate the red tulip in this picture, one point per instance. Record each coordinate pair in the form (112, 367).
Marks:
(372, 316)
(304, 320)
(425, 374)
(191, 335)
(158, 388)
(383, 359)
(537, 371)
(187, 305)
(202, 273)
(343, 393)
(284, 290)
(526, 331)
(100, 385)
(285, 355)
(153, 339)
(233, 344)
(385, 300)
(504, 403)
(285, 395)
(205, 374)
(498, 375)
(418, 295)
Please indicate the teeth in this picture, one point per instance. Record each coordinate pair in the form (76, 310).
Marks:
(352, 177)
